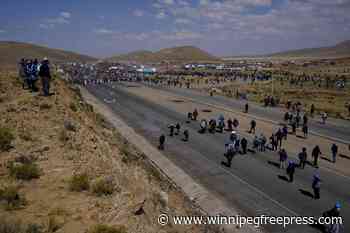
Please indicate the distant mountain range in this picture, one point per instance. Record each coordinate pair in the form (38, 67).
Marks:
(176, 54)
(339, 50)
(11, 52)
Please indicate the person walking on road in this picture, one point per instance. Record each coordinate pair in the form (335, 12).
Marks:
(195, 114)
(312, 110)
(316, 186)
(252, 126)
(279, 137)
(161, 142)
(244, 144)
(203, 125)
(283, 158)
(334, 150)
(178, 127)
(246, 108)
(186, 135)
(305, 130)
(302, 158)
(229, 154)
(290, 171)
(171, 127)
(316, 152)
(45, 75)
(324, 117)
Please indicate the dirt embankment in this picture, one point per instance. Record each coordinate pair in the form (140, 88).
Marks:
(63, 168)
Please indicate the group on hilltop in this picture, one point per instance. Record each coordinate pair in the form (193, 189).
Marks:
(31, 70)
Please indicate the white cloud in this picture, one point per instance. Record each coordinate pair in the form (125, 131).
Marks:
(63, 18)
(2, 31)
(181, 35)
(182, 21)
(46, 26)
(160, 15)
(65, 14)
(104, 31)
(168, 2)
(138, 13)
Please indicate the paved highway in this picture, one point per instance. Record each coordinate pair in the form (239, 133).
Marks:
(251, 185)
(334, 128)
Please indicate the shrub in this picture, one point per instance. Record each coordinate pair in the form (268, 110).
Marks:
(6, 137)
(103, 186)
(44, 106)
(79, 182)
(11, 196)
(53, 225)
(73, 107)
(101, 228)
(24, 171)
(8, 225)
(63, 136)
(34, 228)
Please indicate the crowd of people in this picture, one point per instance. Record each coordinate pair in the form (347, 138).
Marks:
(236, 144)
(30, 71)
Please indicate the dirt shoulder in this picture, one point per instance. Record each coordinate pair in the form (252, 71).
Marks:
(67, 169)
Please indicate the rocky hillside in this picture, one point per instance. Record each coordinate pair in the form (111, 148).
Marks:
(63, 168)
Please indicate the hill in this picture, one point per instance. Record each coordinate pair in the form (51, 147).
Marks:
(339, 50)
(176, 54)
(64, 168)
(11, 52)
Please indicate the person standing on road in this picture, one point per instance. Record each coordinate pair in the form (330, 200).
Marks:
(305, 119)
(229, 125)
(294, 127)
(334, 150)
(186, 135)
(279, 137)
(312, 110)
(203, 125)
(290, 171)
(316, 186)
(305, 130)
(195, 114)
(229, 154)
(283, 158)
(285, 132)
(171, 127)
(161, 142)
(246, 108)
(178, 127)
(315, 153)
(244, 144)
(252, 126)
(324, 117)
(302, 158)
(273, 142)
(45, 75)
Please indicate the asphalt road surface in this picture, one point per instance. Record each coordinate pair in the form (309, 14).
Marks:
(253, 185)
(334, 128)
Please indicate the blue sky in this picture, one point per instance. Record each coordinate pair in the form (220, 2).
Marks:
(222, 27)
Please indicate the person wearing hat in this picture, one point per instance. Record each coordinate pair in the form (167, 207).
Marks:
(333, 213)
(45, 76)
